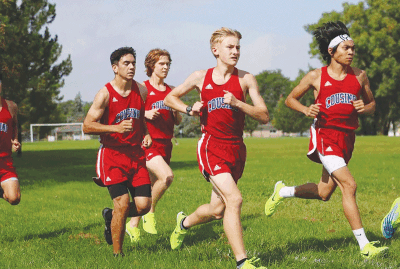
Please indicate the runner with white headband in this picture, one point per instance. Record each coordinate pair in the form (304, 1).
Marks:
(341, 93)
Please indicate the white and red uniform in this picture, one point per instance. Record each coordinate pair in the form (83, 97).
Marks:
(221, 148)
(7, 169)
(333, 130)
(120, 156)
(161, 129)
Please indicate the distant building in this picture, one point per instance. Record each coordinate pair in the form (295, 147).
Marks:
(269, 131)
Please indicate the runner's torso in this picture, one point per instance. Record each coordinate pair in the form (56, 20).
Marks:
(6, 129)
(120, 109)
(163, 126)
(219, 119)
(336, 99)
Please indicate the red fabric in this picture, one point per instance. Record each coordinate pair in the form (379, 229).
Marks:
(6, 130)
(7, 170)
(336, 98)
(218, 119)
(163, 126)
(216, 156)
(116, 165)
(123, 108)
(159, 147)
(331, 142)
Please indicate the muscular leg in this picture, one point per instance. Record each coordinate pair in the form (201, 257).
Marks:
(120, 214)
(122, 209)
(321, 191)
(226, 188)
(161, 177)
(348, 186)
(11, 191)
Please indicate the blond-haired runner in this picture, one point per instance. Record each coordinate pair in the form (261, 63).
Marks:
(221, 152)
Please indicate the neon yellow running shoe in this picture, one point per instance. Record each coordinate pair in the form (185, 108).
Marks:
(250, 264)
(178, 234)
(370, 251)
(149, 223)
(391, 221)
(274, 200)
(134, 233)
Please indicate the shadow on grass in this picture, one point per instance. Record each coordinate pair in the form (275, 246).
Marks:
(78, 165)
(53, 234)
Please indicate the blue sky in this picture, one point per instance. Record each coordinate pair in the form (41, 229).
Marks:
(273, 35)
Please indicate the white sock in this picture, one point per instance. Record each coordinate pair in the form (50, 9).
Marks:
(361, 237)
(287, 192)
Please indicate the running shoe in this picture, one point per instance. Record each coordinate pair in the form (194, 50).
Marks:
(107, 229)
(274, 200)
(134, 233)
(179, 234)
(370, 251)
(149, 223)
(391, 221)
(250, 264)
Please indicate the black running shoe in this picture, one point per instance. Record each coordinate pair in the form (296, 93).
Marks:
(107, 229)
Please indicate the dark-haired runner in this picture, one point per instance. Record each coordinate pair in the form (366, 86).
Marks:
(117, 114)
(340, 92)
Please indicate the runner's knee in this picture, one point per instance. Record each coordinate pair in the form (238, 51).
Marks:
(234, 200)
(169, 179)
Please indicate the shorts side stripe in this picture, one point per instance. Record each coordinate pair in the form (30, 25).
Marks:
(99, 158)
(208, 163)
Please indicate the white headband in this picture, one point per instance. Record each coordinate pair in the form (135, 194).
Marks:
(339, 39)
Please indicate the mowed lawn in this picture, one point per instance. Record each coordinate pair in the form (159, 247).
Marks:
(58, 223)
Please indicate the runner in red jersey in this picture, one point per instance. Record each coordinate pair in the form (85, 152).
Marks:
(160, 121)
(341, 93)
(221, 151)
(9, 185)
(117, 114)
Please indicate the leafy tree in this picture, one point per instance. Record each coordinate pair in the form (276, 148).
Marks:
(28, 57)
(374, 26)
(288, 120)
(272, 84)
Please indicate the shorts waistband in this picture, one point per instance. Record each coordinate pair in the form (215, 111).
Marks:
(225, 140)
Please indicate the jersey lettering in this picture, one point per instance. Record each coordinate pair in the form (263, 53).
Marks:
(218, 103)
(3, 127)
(127, 114)
(339, 98)
(160, 105)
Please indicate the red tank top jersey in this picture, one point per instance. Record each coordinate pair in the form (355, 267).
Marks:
(123, 108)
(219, 119)
(336, 99)
(163, 126)
(6, 130)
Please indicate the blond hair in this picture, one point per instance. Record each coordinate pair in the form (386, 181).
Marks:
(152, 58)
(219, 35)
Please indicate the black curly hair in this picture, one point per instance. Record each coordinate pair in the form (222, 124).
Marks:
(326, 33)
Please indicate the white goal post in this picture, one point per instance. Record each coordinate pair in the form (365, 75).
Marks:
(54, 124)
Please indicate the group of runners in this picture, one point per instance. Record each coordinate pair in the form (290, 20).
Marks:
(135, 122)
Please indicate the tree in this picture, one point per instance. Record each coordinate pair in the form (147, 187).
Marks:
(272, 84)
(288, 120)
(374, 26)
(28, 56)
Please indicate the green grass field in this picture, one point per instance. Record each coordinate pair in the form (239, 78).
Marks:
(58, 223)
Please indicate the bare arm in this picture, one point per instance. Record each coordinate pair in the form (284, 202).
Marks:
(91, 125)
(258, 110)
(16, 145)
(194, 81)
(307, 83)
(367, 104)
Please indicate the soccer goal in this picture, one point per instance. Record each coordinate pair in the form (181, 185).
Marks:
(58, 125)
